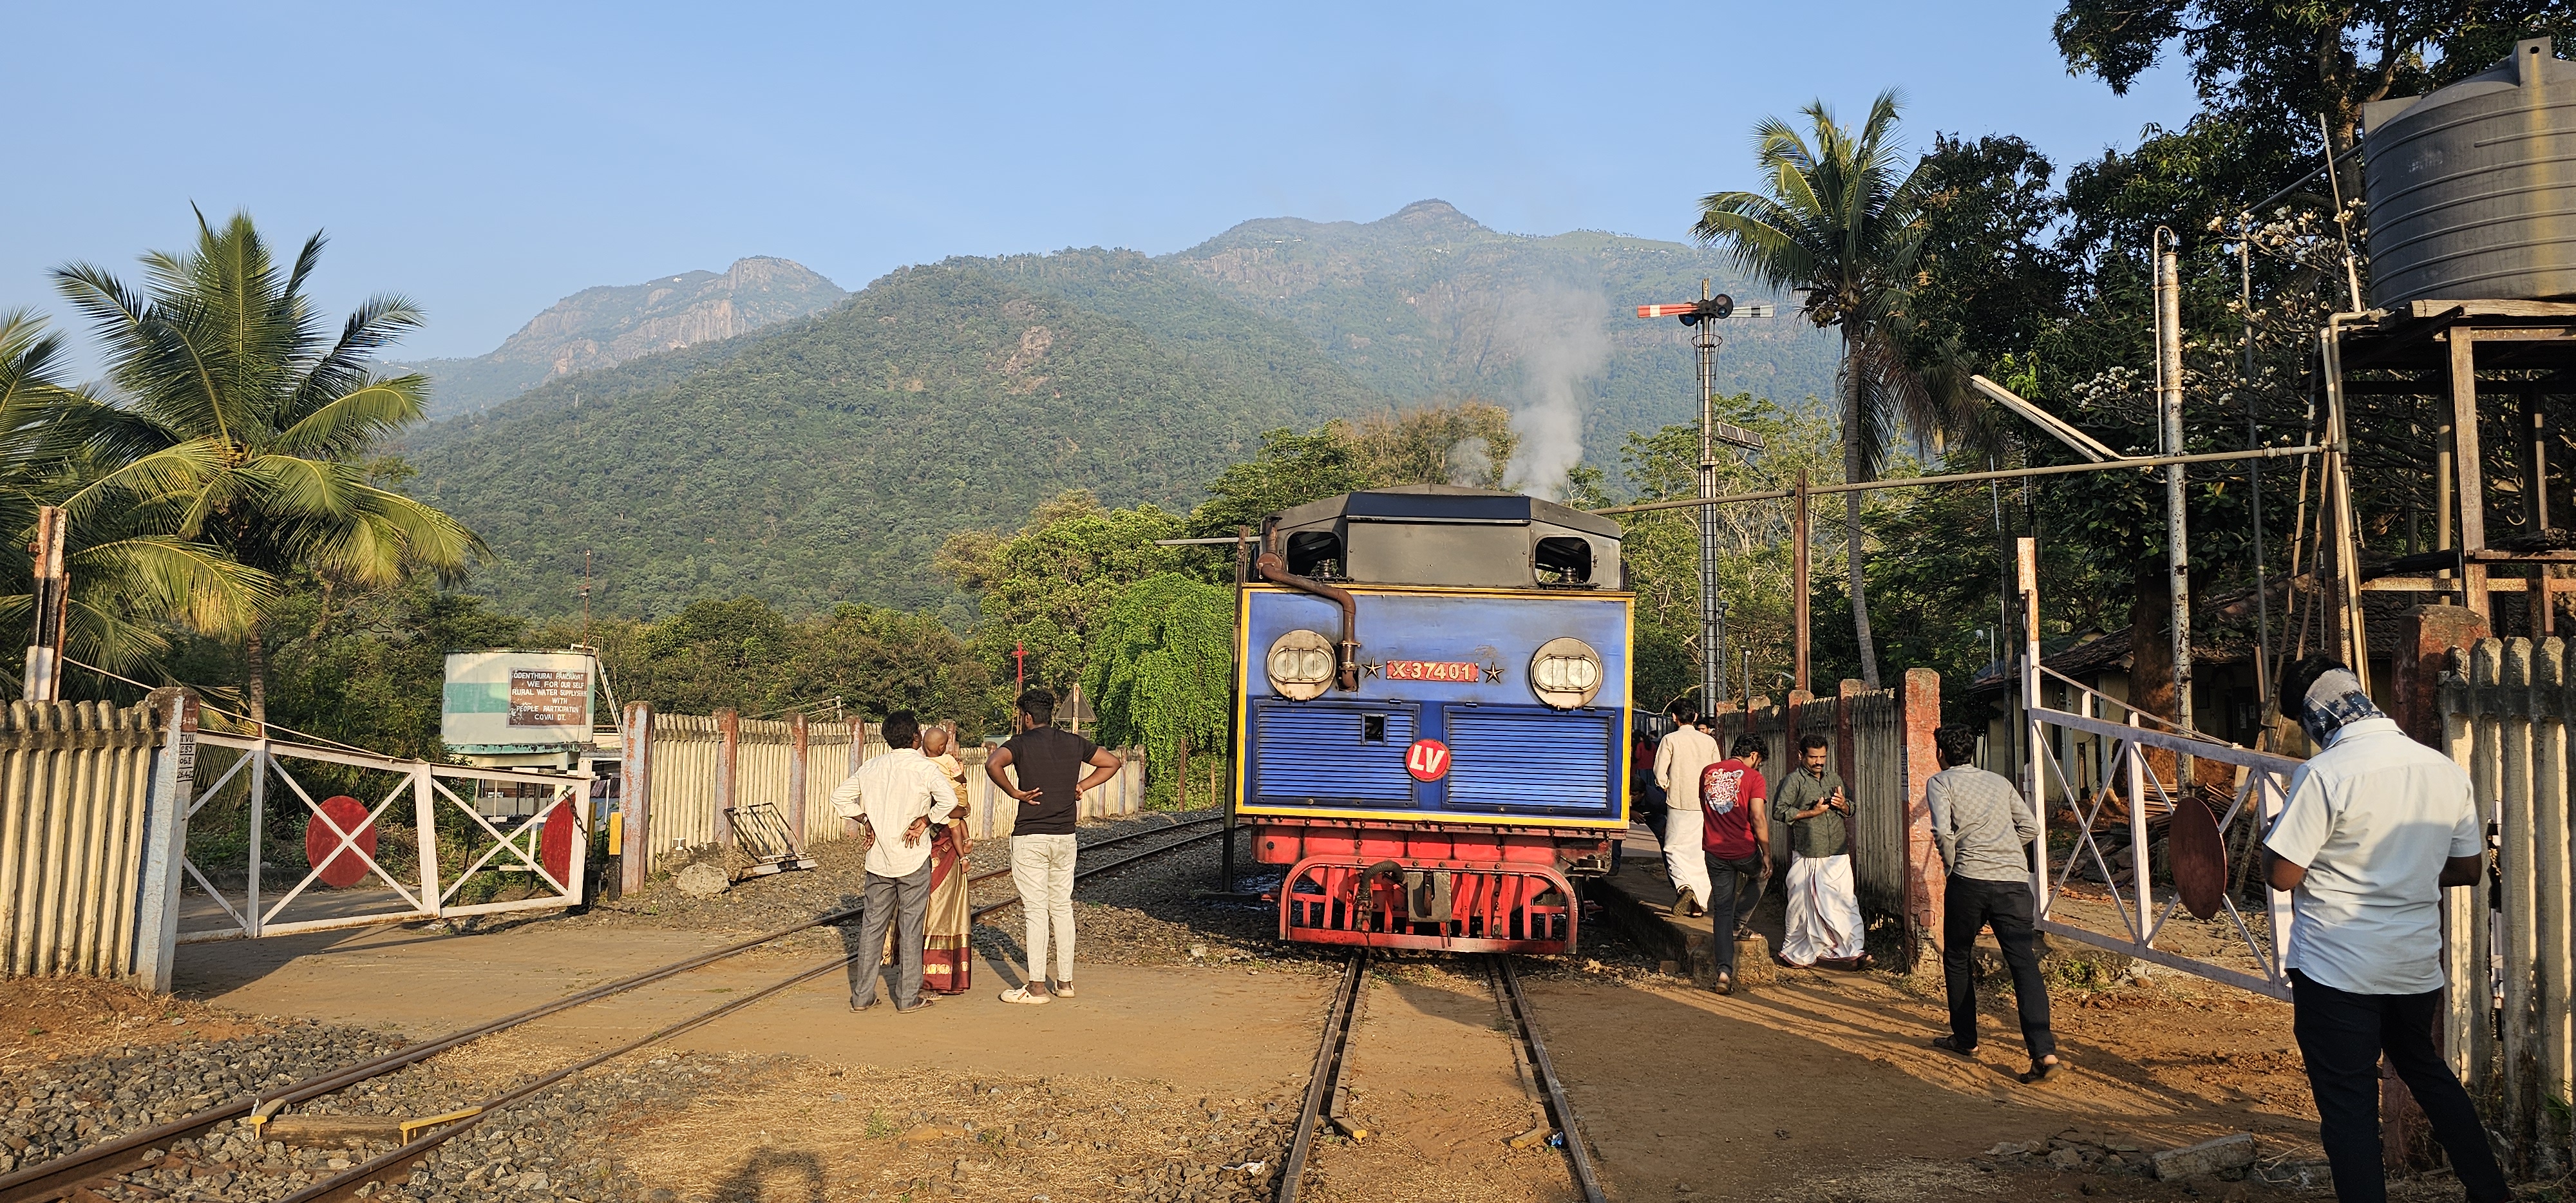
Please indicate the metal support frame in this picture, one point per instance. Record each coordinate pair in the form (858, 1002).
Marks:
(1495, 906)
(2259, 798)
(431, 895)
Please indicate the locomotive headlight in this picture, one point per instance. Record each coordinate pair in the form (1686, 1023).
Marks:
(1301, 665)
(1565, 673)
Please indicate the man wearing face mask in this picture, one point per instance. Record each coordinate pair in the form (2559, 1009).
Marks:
(2374, 827)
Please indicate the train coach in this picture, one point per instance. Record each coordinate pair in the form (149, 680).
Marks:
(1434, 711)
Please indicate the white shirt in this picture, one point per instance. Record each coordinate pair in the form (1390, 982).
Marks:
(1683, 756)
(891, 791)
(2373, 817)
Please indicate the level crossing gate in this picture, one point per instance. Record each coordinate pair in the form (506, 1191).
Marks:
(2141, 910)
(451, 841)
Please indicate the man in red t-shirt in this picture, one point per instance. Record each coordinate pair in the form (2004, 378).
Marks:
(1736, 833)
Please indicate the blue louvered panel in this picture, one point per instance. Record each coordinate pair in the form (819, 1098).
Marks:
(1307, 751)
(1508, 760)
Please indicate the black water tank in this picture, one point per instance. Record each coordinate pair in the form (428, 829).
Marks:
(2472, 190)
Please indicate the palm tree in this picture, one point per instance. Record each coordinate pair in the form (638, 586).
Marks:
(244, 420)
(1838, 222)
(128, 573)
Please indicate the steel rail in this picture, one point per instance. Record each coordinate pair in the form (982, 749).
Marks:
(127, 1152)
(1183, 825)
(348, 1183)
(1129, 859)
(1578, 1156)
(1326, 1074)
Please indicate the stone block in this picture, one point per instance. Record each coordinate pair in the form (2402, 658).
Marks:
(2206, 1158)
(703, 880)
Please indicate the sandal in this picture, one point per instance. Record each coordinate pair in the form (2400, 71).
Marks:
(1725, 982)
(2039, 1070)
(1950, 1045)
(1026, 997)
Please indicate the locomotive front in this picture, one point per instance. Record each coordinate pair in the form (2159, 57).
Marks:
(1433, 708)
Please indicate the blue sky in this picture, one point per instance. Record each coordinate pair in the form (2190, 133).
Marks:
(488, 159)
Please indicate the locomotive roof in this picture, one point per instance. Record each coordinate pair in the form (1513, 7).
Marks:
(1448, 503)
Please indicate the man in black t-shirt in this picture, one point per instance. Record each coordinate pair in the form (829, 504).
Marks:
(1050, 785)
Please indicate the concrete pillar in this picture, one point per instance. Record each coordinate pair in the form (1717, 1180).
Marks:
(796, 752)
(2425, 636)
(1925, 880)
(635, 799)
(728, 765)
(165, 839)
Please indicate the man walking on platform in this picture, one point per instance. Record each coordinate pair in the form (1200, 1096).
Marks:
(1679, 761)
(894, 796)
(2374, 827)
(1983, 827)
(1736, 836)
(1824, 925)
(1051, 783)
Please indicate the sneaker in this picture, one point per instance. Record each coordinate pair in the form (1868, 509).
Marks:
(1026, 997)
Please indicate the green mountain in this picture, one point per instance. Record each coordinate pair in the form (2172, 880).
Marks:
(1428, 301)
(605, 326)
(825, 460)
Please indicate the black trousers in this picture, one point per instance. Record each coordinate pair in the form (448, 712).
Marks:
(1970, 904)
(1733, 885)
(2341, 1036)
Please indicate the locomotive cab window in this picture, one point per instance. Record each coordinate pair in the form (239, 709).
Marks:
(1372, 728)
(1315, 554)
(1564, 560)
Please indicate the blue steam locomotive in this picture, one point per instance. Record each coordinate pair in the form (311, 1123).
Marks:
(1434, 709)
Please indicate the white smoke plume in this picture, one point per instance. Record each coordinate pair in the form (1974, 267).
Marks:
(1559, 340)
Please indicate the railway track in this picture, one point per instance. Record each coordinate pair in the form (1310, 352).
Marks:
(1325, 1093)
(60, 1176)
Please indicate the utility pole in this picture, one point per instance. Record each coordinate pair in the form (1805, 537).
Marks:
(2177, 538)
(51, 605)
(1801, 551)
(1020, 659)
(1702, 316)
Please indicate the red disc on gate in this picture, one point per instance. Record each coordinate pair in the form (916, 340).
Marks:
(1427, 760)
(554, 844)
(338, 816)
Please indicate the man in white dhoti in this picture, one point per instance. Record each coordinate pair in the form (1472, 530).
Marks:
(1825, 926)
(1679, 761)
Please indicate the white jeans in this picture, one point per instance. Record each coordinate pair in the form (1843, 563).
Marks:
(1042, 868)
(1824, 912)
(1684, 861)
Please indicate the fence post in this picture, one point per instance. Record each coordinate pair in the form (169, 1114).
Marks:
(2463, 907)
(2551, 885)
(2486, 767)
(1924, 879)
(165, 839)
(728, 760)
(635, 800)
(796, 750)
(2520, 918)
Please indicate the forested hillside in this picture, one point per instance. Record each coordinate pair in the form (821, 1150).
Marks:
(827, 460)
(821, 459)
(1427, 301)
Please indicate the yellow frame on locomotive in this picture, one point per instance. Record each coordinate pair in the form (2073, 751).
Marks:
(1243, 707)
